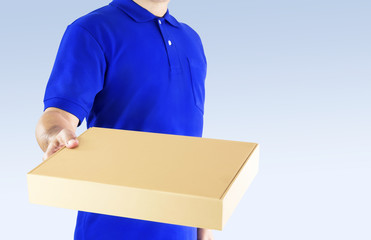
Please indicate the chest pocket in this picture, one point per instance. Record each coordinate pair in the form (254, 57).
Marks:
(198, 70)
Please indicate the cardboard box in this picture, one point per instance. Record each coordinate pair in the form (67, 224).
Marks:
(175, 179)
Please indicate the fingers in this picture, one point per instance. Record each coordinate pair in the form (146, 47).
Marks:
(53, 146)
(68, 138)
(63, 138)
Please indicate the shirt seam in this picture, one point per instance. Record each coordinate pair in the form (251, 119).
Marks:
(83, 108)
(92, 36)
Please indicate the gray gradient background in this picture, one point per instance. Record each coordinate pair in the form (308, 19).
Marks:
(291, 75)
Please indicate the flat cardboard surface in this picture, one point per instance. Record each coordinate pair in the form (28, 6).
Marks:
(197, 169)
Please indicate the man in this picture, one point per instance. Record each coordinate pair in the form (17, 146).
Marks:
(127, 65)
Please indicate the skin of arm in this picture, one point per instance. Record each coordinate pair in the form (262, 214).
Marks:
(204, 234)
(55, 129)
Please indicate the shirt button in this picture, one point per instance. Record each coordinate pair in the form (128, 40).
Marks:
(169, 42)
(159, 21)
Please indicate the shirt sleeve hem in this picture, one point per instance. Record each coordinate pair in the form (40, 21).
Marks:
(67, 105)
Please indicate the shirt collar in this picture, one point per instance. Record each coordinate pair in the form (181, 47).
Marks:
(140, 14)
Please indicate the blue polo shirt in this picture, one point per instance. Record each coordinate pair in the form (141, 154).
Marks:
(122, 67)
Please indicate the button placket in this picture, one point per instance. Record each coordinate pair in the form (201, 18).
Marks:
(170, 49)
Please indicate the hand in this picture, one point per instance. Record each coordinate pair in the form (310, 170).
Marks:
(64, 137)
(204, 234)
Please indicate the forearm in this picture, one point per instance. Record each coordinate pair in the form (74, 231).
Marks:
(204, 234)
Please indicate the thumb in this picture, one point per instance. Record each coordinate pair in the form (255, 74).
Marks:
(68, 138)
(73, 142)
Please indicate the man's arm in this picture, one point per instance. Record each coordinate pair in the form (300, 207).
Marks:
(204, 234)
(55, 129)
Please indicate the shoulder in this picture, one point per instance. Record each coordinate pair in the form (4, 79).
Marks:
(190, 30)
(96, 21)
(92, 17)
(195, 38)
(99, 25)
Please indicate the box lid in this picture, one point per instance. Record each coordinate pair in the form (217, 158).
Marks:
(163, 162)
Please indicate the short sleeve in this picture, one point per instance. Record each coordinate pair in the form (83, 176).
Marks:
(78, 73)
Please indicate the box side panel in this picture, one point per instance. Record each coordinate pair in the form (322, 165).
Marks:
(122, 201)
(240, 184)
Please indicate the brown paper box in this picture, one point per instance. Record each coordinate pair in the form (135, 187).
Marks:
(167, 178)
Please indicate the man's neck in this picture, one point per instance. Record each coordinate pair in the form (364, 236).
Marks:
(157, 8)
